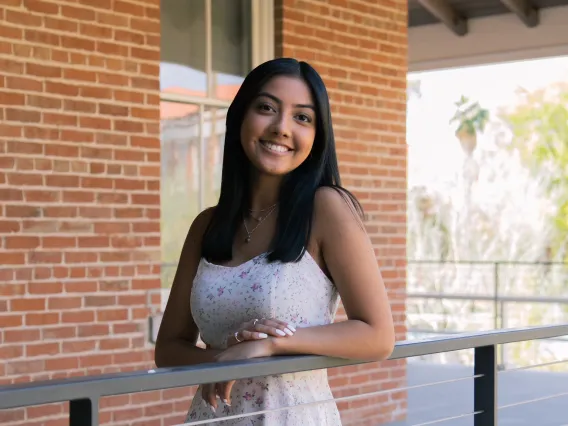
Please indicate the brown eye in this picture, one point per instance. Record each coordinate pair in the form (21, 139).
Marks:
(265, 107)
(305, 118)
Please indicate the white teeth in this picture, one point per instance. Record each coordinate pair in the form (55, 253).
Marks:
(274, 147)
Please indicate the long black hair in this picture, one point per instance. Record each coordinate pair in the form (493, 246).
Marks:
(297, 192)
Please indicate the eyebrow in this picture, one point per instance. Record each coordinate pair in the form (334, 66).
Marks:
(275, 99)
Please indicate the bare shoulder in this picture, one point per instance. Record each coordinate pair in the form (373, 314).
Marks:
(203, 219)
(333, 207)
(198, 227)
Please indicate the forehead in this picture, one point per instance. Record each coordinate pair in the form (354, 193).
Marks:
(290, 90)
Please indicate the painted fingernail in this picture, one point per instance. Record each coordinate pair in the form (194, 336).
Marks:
(226, 402)
(213, 409)
(262, 335)
(288, 332)
(280, 332)
(291, 327)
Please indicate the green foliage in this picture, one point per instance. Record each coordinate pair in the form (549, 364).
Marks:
(539, 128)
(470, 117)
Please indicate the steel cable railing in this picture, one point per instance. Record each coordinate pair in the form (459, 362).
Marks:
(84, 393)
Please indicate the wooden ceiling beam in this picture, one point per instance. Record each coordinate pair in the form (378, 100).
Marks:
(524, 10)
(446, 14)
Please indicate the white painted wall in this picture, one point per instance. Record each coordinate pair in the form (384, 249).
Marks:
(499, 38)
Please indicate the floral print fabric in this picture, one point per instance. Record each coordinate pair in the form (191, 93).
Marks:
(224, 297)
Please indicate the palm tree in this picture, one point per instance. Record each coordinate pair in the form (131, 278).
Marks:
(471, 118)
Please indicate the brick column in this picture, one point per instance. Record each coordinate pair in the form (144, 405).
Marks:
(360, 49)
(79, 192)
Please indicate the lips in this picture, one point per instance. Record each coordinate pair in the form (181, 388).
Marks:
(275, 147)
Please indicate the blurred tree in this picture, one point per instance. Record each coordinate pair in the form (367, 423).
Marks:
(539, 135)
(471, 119)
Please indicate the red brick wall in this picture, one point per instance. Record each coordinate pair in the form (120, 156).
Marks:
(79, 189)
(360, 48)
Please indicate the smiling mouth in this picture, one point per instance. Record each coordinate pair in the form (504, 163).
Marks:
(274, 147)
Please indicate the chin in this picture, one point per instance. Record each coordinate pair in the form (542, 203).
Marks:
(273, 166)
(273, 171)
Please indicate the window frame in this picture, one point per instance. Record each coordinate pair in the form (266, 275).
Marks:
(261, 49)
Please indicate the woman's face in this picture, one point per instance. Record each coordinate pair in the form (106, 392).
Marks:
(279, 127)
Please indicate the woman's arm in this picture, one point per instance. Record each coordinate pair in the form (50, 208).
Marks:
(348, 255)
(177, 337)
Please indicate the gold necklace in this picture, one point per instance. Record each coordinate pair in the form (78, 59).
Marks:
(259, 220)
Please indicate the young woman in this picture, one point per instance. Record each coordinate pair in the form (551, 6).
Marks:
(261, 273)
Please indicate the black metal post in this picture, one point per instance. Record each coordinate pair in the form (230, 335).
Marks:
(485, 387)
(84, 412)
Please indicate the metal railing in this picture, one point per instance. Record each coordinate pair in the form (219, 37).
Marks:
(498, 297)
(84, 393)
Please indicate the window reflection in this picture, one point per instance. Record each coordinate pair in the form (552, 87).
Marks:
(190, 180)
(182, 50)
(214, 138)
(179, 191)
(231, 38)
(183, 47)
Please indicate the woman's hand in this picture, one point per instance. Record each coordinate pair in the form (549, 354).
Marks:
(259, 329)
(245, 350)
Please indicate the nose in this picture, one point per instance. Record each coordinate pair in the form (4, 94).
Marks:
(280, 126)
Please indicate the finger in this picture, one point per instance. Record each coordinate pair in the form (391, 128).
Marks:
(210, 396)
(232, 340)
(219, 391)
(252, 335)
(284, 323)
(275, 328)
(226, 396)
(273, 322)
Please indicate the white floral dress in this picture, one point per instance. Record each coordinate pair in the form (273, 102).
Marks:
(224, 297)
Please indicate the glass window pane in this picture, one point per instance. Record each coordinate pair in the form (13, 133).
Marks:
(214, 142)
(231, 45)
(182, 50)
(179, 185)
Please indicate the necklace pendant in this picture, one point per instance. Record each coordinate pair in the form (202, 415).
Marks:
(247, 239)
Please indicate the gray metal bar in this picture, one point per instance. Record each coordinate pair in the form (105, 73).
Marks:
(84, 412)
(209, 49)
(486, 298)
(463, 341)
(197, 100)
(37, 393)
(563, 339)
(481, 262)
(485, 387)
(496, 295)
(201, 165)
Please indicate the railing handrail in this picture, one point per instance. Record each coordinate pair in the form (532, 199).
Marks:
(94, 387)
(484, 262)
(485, 298)
(457, 262)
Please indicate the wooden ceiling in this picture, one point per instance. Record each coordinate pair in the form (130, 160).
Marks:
(455, 14)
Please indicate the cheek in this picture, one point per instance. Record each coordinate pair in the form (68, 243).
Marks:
(245, 129)
(306, 141)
